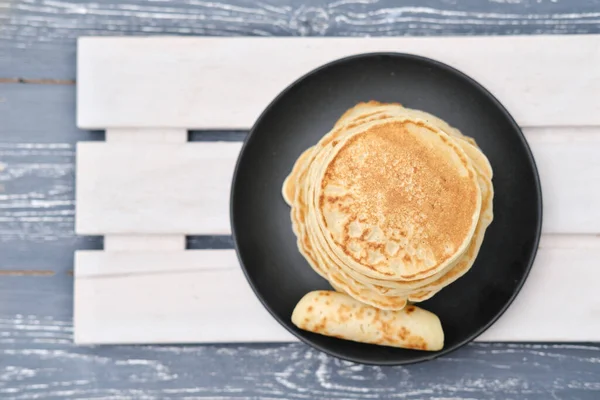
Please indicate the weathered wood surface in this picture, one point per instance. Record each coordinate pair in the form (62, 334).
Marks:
(37, 36)
(195, 83)
(37, 141)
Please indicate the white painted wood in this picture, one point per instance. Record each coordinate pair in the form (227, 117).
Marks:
(194, 296)
(569, 170)
(146, 135)
(226, 82)
(130, 188)
(145, 188)
(145, 242)
(201, 296)
(127, 188)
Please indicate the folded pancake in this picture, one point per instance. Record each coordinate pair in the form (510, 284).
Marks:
(338, 315)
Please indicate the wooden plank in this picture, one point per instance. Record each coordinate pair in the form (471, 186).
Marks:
(169, 297)
(168, 188)
(38, 38)
(567, 164)
(145, 242)
(175, 194)
(37, 166)
(210, 83)
(54, 109)
(172, 298)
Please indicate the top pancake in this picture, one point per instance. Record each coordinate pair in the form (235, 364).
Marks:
(315, 242)
(399, 199)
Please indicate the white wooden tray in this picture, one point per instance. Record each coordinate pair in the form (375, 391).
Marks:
(145, 188)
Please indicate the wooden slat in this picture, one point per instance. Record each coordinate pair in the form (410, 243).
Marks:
(226, 82)
(127, 188)
(569, 170)
(144, 242)
(167, 297)
(202, 296)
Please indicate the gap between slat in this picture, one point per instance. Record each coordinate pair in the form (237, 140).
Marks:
(146, 135)
(144, 242)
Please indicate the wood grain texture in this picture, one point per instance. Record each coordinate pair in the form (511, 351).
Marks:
(167, 297)
(37, 37)
(167, 188)
(38, 138)
(210, 83)
(37, 359)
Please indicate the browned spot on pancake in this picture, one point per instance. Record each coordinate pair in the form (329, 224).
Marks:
(376, 316)
(309, 309)
(416, 342)
(403, 333)
(344, 312)
(337, 200)
(360, 313)
(320, 327)
(386, 328)
(365, 233)
(410, 309)
(406, 258)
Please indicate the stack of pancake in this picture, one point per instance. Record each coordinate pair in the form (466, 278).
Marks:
(391, 205)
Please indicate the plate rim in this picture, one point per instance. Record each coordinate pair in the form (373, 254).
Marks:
(426, 356)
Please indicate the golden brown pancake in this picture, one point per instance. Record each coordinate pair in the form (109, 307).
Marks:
(338, 315)
(399, 200)
(348, 236)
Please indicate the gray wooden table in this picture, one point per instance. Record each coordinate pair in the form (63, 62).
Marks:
(37, 154)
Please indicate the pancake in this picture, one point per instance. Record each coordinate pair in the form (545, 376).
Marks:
(461, 266)
(399, 200)
(369, 282)
(338, 315)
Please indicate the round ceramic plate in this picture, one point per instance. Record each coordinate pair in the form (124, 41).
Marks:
(306, 111)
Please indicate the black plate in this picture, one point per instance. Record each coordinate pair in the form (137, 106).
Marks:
(307, 110)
